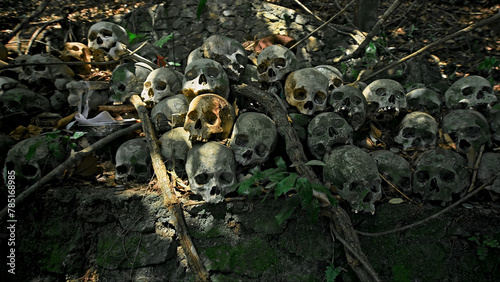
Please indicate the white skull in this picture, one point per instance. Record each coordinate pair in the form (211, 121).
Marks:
(211, 171)
(205, 76)
(307, 90)
(349, 102)
(325, 131)
(471, 92)
(467, 128)
(417, 129)
(333, 74)
(33, 157)
(209, 116)
(160, 84)
(175, 145)
(354, 173)
(108, 37)
(424, 100)
(439, 173)
(385, 98)
(77, 52)
(127, 80)
(489, 168)
(275, 62)
(228, 52)
(253, 139)
(22, 101)
(394, 168)
(42, 74)
(133, 161)
(169, 113)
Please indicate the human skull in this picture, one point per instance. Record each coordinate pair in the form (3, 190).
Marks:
(489, 168)
(209, 116)
(133, 161)
(108, 37)
(325, 131)
(211, 171)
(307, 90)
(169, 113)
(127, 80)
(471, 92)
(205, 76)
(7, 83)
(417, 129)
(467, 128)
(253, 139)
(333, 74)
(275, 62)
(349, 102)
(394, 168)
(228, 52)
(43, 74)
(439, 174)
(354, 173)
(160, 84)
(495, 122)
(33, 157)
(424, 100)
(22, 101)
(175, 145)
(77, 52)
(385, 98)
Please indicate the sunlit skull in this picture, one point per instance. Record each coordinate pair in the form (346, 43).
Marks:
(22, 101)
(385, 98)
(467, 128)
(205, 76)
(108, 37)
(175, 145)
(495, 122)
(133, 161)
(33, 157)
(349, 102)
(424, 100)
(394, 168)
(253, 139)
(160, 84)
(471, 92)
(489, 168)
(7, 83)
(325, 131)
(275, 62)
(209, 117)
(169, 113)
(127, 80)
(439, 174)
(307, 90)
(211, 171)
(228, 52)
(354, 173)
(417, 130)
(77, 52)
(333, 74)
(43, 74)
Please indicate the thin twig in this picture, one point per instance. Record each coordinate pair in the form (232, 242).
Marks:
(475, 169)
(394, 187)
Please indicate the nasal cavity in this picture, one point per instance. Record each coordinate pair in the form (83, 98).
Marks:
(215, 191)
(197, 124)
(202, 79)
(392, 99)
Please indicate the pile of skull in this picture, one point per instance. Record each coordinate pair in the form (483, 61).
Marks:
(204, 140)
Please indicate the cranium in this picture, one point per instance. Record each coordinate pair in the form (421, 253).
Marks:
(22, 101)
(471, 92)
(211, 171)
(495, 122)
(79, 52)
(424, 100)
(169, 113)
(7, 83)
(209, 116)
(325, 131)
(354, 173)
(306, 89)
(228, 52)
(489, 168)
(253, 139)
(127, 80)
(467, 128)
(274, 63)
(385, 98)
(43, 74)
(175, 145)
(417, 129)
(133, 161)
(205, 76)
(108, 37)
(349, 102)
(160, 84)
(333, 74)
(394, 168)
(439, 174)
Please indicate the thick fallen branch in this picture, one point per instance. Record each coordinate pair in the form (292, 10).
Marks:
(296, 153)
(167, 188)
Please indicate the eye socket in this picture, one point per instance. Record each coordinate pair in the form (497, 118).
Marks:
(262, 68)
(192, 74)
(427, 135)
(356, 100)
(280, 62)
(467, 91)
(147, 84)
(422, 176)
(213, 72)
(447, 176)
(339, 123)
(338, 95)
(92, 36)
(226, 178)
(193, 115)
(140, 169)
(320, 97)
(210, 117)
(202, 178)
(472, 131)
(106, 33)
(337, 82)
(381, 92)
(261, 150)
(299, 94)
(399, 94)
(241, 59)
(39, 67)
(319, 131)
(487, 90)
(241, 139)
(161, 85)
(408, 132)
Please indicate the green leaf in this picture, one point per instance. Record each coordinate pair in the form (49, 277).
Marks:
(78, 134)
(305, 190)
(244, 187)
(279, 176)
(55, 150)
(323, 189)
(287, 210)
(32, 150)
(313, 209)
(201, 8)
(285, 185)
(136, 38)
(331, 273)
(280, 163)
(163, 40)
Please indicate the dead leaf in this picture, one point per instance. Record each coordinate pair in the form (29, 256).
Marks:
(22, 132)
(396, 201)
(65, 120)
(375, 131)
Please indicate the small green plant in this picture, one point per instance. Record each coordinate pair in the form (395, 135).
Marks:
(201, 8)
(332, 272)
(484, 245)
